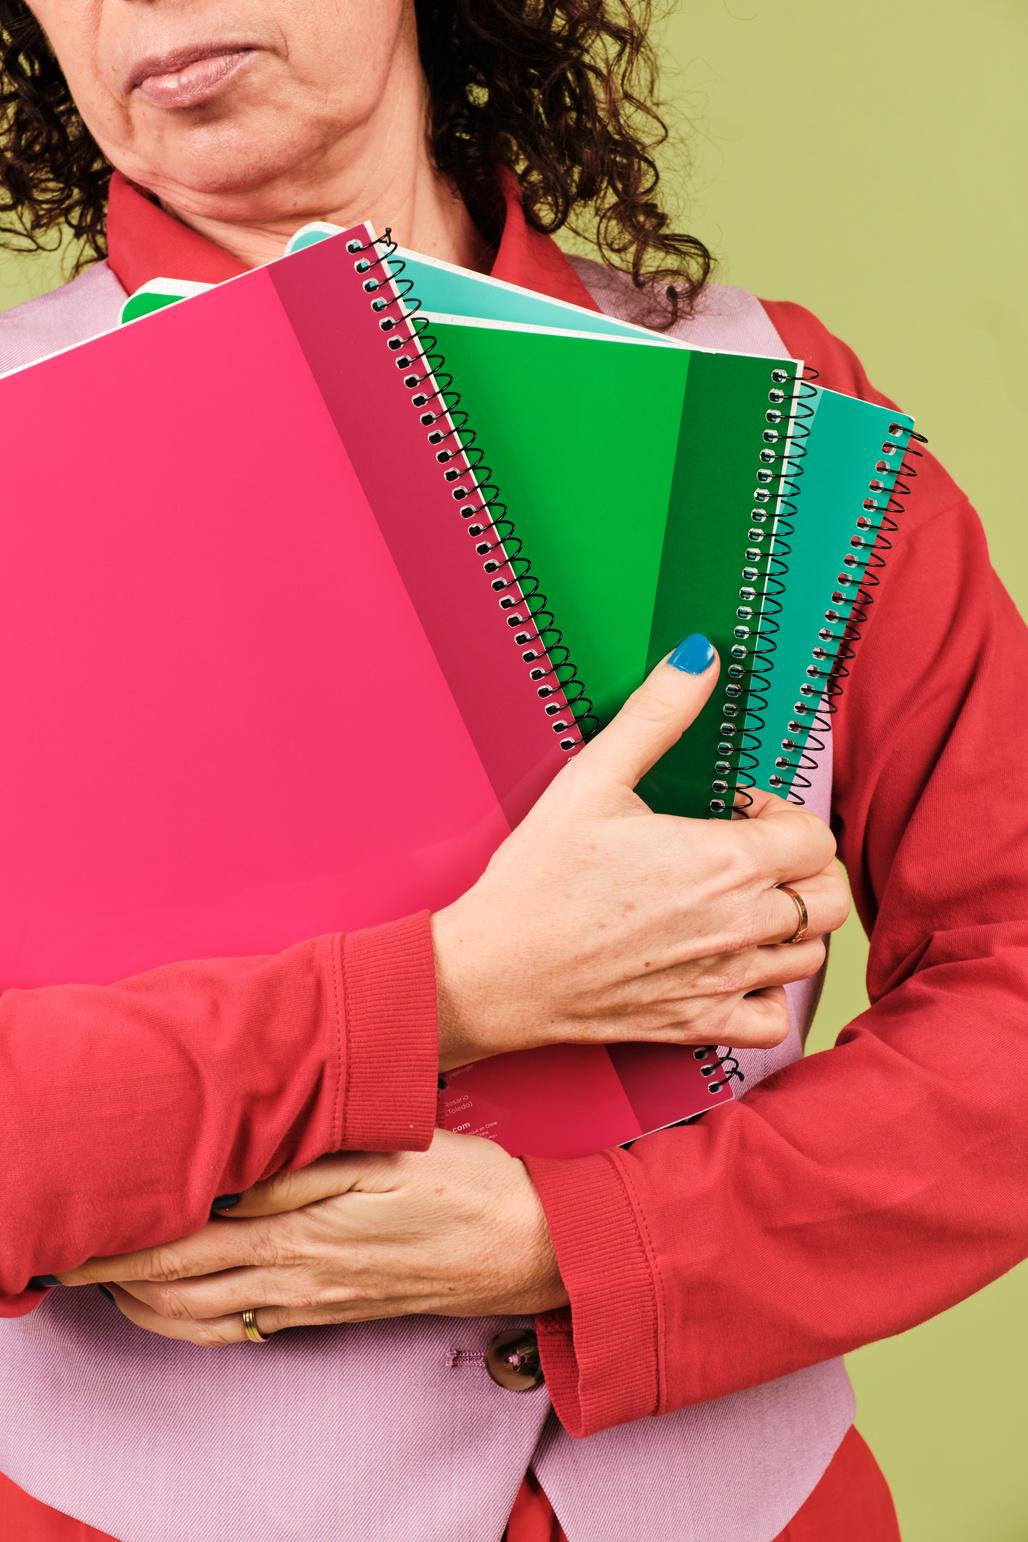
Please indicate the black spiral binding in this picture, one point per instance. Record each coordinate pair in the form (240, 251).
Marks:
(727, 1063)
(765, 567)
(863, 564)
(510, 572)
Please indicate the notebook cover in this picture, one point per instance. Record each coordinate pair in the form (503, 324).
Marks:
(847, 456)
(636, 504)
(255, 684)
(443, 287)
(574, 1100)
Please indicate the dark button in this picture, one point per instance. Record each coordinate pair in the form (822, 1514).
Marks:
(512, 1360)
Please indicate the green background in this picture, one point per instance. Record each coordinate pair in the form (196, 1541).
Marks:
(867, 160)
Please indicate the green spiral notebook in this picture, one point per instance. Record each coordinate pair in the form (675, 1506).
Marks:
(690, 489)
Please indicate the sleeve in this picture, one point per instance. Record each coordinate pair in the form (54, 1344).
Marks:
(863, 1189)
(125, 1109)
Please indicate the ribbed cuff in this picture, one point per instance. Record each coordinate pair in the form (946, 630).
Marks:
(392, 1037)
(601, 1361)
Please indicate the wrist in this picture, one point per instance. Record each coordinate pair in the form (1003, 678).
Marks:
(471, 990)
(457, 1041)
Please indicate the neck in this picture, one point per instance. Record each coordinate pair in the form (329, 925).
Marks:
(421, 210)
(382, 171)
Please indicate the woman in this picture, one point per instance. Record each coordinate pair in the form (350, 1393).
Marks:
(711, 1275)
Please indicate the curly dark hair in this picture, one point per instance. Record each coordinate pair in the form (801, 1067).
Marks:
(559, 91)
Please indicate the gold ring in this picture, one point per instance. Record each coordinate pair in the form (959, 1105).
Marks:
(251, 1329)
(801, 930)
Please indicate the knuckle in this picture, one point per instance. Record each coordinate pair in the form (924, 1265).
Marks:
(743, 859)
(162, 1264)
(774, 1034)
(172, 1304)
(820, 837)
(818, 954)
(648, 705)
(212, 1335)
(278, 1245)
(762, 969)
(724, 976)
(771, 1027)
(313, 1300)
(762, 1023)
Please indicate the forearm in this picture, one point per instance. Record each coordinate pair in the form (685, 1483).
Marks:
(852, 1195)
(128, 1108)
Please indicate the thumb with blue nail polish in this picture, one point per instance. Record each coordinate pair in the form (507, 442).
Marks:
(655, 715)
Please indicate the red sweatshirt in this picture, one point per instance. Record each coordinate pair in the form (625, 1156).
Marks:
(844, 1199)
(860, 1191)
(127, 1108)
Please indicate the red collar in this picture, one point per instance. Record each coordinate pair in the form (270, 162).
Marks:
(144, 243)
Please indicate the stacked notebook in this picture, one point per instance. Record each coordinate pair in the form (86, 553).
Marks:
(359, 546)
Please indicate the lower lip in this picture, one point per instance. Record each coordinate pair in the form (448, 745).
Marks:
(195, 83)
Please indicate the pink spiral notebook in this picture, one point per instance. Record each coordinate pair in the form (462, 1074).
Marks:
(255, 684)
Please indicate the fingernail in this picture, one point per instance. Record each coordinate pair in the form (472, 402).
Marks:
(43, 1281)
(105, 1292)
(694, 654)
(225, 1201)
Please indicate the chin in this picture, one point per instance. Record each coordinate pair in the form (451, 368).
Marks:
(223, 174)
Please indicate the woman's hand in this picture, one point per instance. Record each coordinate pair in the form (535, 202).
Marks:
(599, 921)
(457, 1231)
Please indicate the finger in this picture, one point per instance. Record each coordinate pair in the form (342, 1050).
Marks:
(756, 1019)
(685, 995)
(269, 1320)
(754, 969)
(251, 1242)
(323, 1179)
(220, 1331)
(363, 1308)
(744, 1019)
(654, 717)
(775, 964)
(759, 1021)
(212, 1335)
(233, 1290)
(826, 901)
(784, 840)
(213, 1248)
